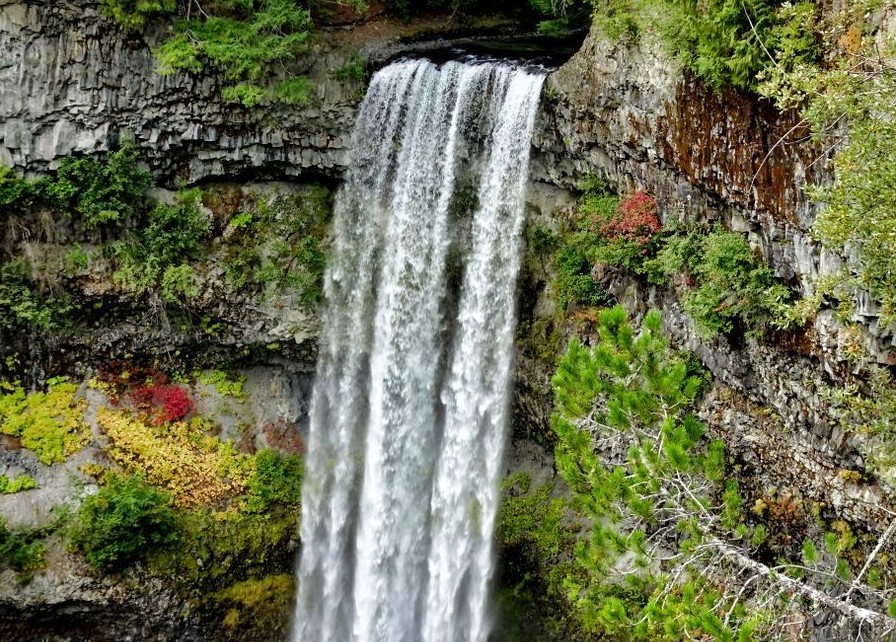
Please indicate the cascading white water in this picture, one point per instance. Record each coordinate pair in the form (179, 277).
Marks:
(410, 401)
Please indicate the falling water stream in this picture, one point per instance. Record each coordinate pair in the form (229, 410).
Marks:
(411, 394)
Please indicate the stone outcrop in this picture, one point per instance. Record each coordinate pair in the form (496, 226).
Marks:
(71, 81)
(629, 115)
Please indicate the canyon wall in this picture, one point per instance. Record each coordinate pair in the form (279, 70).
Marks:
(72, 82)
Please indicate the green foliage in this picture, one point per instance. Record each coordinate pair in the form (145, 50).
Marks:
(50, 424)
(176, 284)
(632, 393)
(283, 244)
(242, 40)
(224, 384)
(123, 521)
(733, 285)
(23, 306)
(618, 19)
(569, 252)
(17, 485)
(102, 193)
(277, 481)
(626, 232)
(530, 517)
(156, 260)
(14, 189)
(132, 14)
(724, 42)
(860, 206)
(20, 551)
(76, 260)
(175, 232)
(574, 283)
(559, 17)
(354, 70)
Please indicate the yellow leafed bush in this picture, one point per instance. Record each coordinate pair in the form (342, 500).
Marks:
(51, 424)
(194, 467)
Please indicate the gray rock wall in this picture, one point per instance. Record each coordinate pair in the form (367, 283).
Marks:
(71, 82)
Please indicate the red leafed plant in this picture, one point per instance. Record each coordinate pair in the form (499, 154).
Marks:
(636, 220)
(173, 401)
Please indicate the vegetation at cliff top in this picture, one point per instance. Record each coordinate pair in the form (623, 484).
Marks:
(251, 43)
(724, 42)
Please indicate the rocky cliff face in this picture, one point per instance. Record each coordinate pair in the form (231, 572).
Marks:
(70, 82)
(630, 115)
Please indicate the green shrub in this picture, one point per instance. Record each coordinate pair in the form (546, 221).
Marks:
(732, 285)
(174, 233)
(132, 14)
(100, 192)
(122, 522)
(23, 306)
(277, 481)
(14, 189)
(20, 483)
(574, 283)
(354, 70)
(242, 40)
(19, 551)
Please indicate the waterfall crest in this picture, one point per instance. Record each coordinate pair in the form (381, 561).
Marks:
(411, 394)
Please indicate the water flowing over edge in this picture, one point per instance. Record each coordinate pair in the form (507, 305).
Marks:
(410, 406)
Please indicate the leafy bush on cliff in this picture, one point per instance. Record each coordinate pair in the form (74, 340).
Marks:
(133, 14)
(126, 519)
(277, 481)
(100, 192)
(243, 40)
(23, 306)
(724, 42)
(20, 551)
(50, 424)
(732, 286)
(849, 106)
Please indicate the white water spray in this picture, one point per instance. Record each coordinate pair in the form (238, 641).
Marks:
(410, 401)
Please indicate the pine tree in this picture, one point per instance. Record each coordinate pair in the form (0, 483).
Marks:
(667, 529)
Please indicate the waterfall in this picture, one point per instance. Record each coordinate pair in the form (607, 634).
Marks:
(410, 403)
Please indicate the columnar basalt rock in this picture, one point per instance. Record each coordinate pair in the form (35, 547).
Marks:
(628, 114)
(72, 81)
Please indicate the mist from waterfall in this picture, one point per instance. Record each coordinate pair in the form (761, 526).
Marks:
(410, 404)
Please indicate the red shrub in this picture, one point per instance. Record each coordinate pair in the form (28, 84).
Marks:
(636, 221)
(174, 402)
